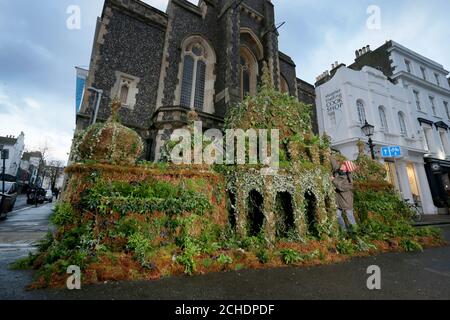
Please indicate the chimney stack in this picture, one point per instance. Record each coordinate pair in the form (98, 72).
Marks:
(362, 51)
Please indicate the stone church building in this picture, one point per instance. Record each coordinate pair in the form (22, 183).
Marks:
(203, 57)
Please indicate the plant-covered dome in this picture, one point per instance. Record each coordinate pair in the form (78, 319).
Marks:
(271, 109)
(110, 142)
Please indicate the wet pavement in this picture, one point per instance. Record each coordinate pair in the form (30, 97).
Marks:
(21, 203)
(18, 236)
(403, 276)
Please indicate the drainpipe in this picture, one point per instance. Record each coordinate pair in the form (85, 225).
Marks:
(99, 94)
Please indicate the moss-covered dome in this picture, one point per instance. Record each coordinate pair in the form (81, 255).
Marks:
(110, 142)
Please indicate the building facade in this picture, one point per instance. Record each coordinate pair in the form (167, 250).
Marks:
(162, 65)
(348, 98)
(428, 91)
(15, 145)
(307, 94)
(31, 167)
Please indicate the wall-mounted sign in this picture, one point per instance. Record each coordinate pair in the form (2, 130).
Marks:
(5, 154)
(391, 152)
(334, 101)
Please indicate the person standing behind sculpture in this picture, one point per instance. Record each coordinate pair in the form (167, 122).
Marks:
(343, 182)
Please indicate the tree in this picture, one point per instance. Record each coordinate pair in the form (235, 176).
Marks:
(53, 170)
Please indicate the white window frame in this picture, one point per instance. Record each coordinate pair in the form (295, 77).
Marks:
(361, 111)
(403, 125)
(423, 72)
(433, 105)
(416, 95)
(437, 77)
(444, 142)
(383, 118)
(408, 66)
(124, 79)
(447, 111)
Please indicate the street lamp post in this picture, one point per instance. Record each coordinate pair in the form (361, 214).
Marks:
(4, 156)
(368, 131)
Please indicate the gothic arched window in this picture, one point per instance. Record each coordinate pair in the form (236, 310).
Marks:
(402, 122)
(361, 111)
(196, 89)
(124, 94)
(284, 87)
(248, 70)
(383, 119)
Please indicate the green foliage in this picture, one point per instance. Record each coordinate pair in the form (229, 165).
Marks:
(141, 247)
(144, 198)
(24, 263)
(263, 256)
(108, 142)
(429, 232)
(188, 262)
(207, 262)
(325, 229)
(239, 267)
(384, 203)
(364, 245)
(411, 245)
(63, 214)
(224, 259)
(291, 256)
(46, 242)
(346, 247)
(252, 243)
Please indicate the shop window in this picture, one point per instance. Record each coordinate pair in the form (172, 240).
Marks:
(413, 182)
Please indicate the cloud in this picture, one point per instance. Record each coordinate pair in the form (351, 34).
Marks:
(40, 125)
(32, 103)
(339, 28)
(38, 53)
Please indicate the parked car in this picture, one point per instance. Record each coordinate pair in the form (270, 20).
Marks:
(36, 195)
(8, 199)
(49, 196)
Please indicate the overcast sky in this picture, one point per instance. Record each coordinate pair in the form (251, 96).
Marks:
(38, 52)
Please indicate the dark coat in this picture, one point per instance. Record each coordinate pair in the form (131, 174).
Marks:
(344, 191)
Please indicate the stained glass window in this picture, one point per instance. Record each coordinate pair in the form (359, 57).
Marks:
(200, 86)
(186, 87)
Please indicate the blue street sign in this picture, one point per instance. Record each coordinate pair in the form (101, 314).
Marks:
(391, 152)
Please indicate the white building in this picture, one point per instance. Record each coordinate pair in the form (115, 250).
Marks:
(29, 165)
(15, 147)
(428, 91)
(349, 98)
